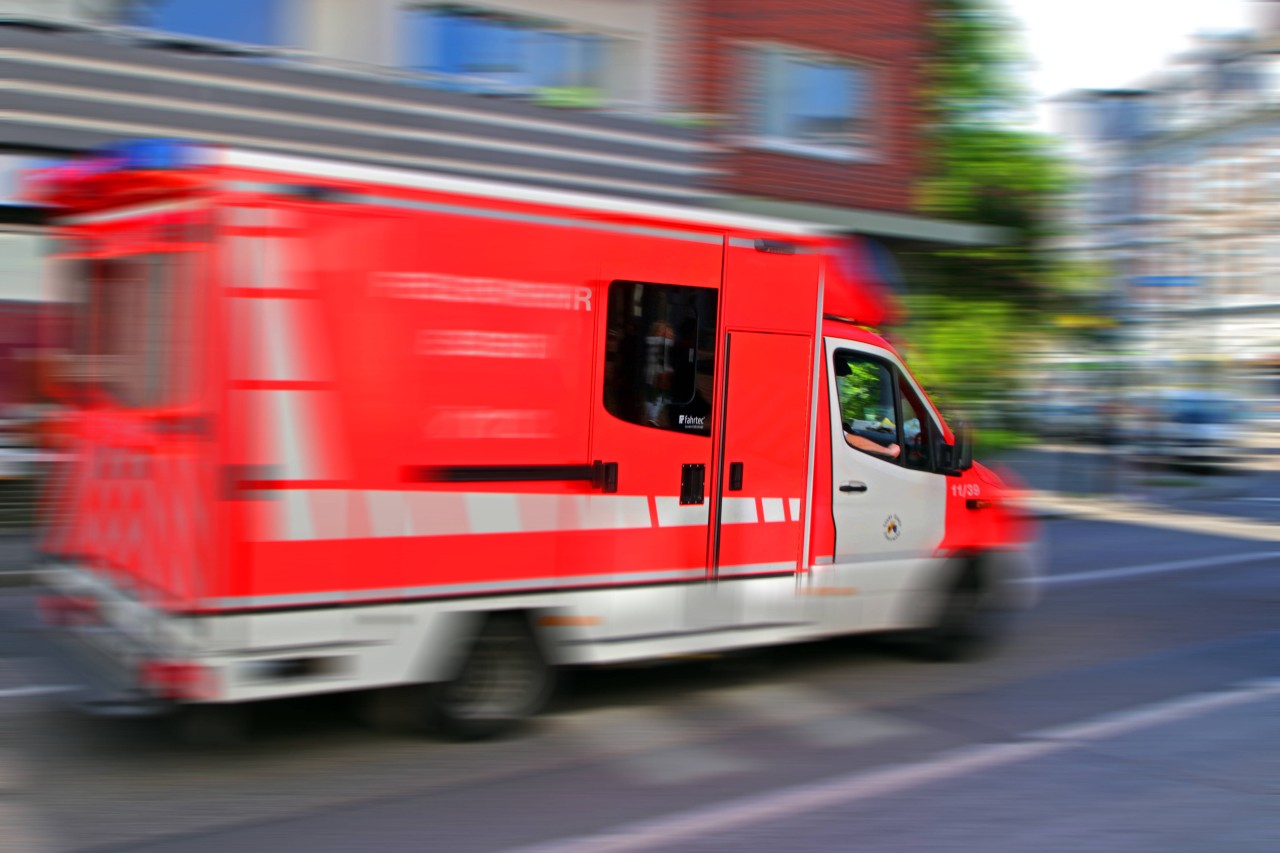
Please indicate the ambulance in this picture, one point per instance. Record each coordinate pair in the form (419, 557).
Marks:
(340, 427)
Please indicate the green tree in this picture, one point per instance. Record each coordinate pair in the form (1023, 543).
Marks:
(973, 309)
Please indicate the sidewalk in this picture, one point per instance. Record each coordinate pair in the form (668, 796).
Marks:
(1049, 506)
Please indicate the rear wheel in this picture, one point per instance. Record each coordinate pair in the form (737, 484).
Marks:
(504, 679)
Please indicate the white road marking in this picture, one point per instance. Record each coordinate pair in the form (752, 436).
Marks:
(1181, 708)
(1269, 500)
(1155, 568)
(34, 690)
(669, 831)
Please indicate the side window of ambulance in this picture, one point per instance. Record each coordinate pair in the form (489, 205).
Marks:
(917, 430)
(660, 355)
(881, 413)
(865, 388)
(132, 325)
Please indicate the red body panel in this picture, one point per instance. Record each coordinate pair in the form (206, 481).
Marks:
(370, 361)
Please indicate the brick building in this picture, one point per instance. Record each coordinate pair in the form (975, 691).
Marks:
(809, 111)
(821, 100)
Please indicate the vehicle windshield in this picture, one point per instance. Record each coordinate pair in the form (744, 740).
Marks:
(131, 327)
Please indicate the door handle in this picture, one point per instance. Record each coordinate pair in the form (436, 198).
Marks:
(853, 487)
(735, 477)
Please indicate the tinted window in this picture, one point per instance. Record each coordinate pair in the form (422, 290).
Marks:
(131, 335)
(660, 355)
(865, 390)
(880, 412)
(917, 432)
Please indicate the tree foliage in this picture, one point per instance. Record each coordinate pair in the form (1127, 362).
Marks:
(972, 309)
(984, 166)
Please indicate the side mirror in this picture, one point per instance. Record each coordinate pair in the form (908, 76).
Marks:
(957, 457)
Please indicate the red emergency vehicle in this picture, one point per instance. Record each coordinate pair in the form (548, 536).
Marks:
(345, 427)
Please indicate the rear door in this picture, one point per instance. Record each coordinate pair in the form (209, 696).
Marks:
(135, 498)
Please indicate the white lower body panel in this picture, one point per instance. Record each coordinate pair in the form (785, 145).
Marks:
(273, 654)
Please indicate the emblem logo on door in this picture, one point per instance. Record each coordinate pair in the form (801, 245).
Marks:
(892, 528)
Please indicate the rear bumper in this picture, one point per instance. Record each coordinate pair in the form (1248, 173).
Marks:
(98, 660)
(94, 683)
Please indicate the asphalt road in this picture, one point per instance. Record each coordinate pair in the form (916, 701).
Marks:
(848, 744)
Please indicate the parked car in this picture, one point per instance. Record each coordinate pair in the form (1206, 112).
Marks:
(1191, 428)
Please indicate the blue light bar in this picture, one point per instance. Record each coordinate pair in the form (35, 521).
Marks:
(151, 154)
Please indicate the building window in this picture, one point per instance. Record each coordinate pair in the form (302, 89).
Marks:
(660, 355)
(806, 100)
(245, 21)
(478, 50)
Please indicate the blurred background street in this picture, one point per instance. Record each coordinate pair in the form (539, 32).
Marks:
(1165, 606)
(1179, 624)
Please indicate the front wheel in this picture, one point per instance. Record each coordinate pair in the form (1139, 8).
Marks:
(504, 679)
(969, 621)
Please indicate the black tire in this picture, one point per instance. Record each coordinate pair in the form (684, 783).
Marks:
(969, 622)
(504, 680)
(214, 726)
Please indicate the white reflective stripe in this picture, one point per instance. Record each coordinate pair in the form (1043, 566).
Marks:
(608, 512)
(521, 585)
(259, 262)
(250, 217)
(329, 513)
(739, 511)
(794, 505)
(388, 514)
(246, 271)
(266, 340)
(755, 569)
(296, 507)
(493, 512)
(294, 446)
(129, 213)
(274, 271)
(278, 338)
(773, 509)
(437, 513)
(246, 339)
(671, 513)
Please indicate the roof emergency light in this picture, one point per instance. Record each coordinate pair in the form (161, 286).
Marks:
(68, 183)
(154, 154)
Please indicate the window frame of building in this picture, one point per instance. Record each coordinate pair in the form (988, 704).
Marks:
(764, 123)
(585, 70)
(269, 21)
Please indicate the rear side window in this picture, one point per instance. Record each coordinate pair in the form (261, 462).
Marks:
(133, 316)
(660, 355)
